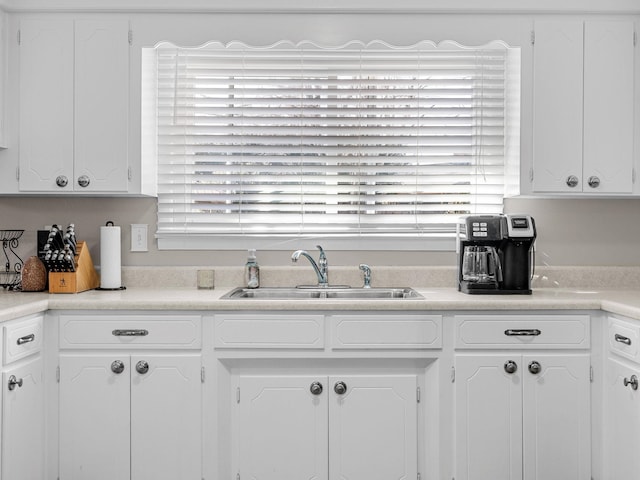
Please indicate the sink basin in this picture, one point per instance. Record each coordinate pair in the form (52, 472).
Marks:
(293, 293)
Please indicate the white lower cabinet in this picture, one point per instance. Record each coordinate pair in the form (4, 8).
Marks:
(622, 400)
(136, 417)
(94, 418)
(23, 401)
(356, 427)
(622, 421)
(23, 421)
(130, 397)
(522, 411)
(515, 424)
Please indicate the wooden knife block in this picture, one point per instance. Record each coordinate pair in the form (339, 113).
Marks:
(84, 278)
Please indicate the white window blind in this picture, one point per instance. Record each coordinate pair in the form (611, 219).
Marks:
(300, 140)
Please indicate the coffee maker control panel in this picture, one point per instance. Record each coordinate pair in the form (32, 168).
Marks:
(484, 228)
(519, 226)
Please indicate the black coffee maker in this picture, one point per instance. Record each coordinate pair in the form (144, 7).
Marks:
(497, 256)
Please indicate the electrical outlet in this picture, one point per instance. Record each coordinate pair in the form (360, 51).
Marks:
(139, 237)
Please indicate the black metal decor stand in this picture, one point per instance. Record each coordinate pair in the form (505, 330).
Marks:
(11, 277)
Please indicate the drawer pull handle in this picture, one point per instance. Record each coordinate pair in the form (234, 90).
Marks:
(622, 339)
(527, 332)
(633, 382)
(130, 333)
(26, 339)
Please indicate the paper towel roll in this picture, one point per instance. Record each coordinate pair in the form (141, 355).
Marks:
(110, 261)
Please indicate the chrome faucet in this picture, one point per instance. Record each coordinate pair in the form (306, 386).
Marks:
(321, 268)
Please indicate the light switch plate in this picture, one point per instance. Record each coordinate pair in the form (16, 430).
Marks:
(139, 237)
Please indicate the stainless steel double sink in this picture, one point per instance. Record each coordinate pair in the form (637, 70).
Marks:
(303, 293)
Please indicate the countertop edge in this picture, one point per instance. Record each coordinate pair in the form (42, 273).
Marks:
(14, 305)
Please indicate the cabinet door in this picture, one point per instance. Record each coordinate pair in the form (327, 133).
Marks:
(622, 422)
(556, 417)
(46, 104)
(608, 106)
(166, 417)
(558, 106)
(373, 427)
(488, 418)
(101, 105)
(23, 422)
(282, 428)
(94, 417)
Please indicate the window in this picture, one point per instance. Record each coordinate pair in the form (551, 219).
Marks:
(371, 142)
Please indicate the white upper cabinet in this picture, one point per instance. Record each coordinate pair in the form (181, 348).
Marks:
(102, 104)
(3, 77)
(46, 105)
(74, 101)
(608, 106)
(583, 114)
(557, 115)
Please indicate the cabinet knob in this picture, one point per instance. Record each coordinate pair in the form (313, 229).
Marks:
(142, 367)
(572, 181)
(510, 366)
(62, 181)
(633, 382)
(117, 366)
(84, 181)
(593, 182)
(316, 388)
(340, 388)
(535, 367)
(13, 382)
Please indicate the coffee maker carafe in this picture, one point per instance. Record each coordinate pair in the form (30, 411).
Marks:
(496, 257)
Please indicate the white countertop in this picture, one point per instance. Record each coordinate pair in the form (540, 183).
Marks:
(17, 304)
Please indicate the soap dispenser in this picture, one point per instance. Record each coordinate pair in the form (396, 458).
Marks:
(252, 271)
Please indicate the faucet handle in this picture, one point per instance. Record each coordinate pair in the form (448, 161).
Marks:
(366, 269)
(322, 259)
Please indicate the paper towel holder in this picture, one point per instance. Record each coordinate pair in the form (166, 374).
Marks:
(110, 223)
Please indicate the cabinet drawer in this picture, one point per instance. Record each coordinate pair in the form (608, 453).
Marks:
(385, 331)
(624, 338)
(523, 331)
(22, 338)
(126, 331)
(269, 331)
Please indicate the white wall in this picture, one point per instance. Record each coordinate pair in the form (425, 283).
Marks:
(570, 232)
